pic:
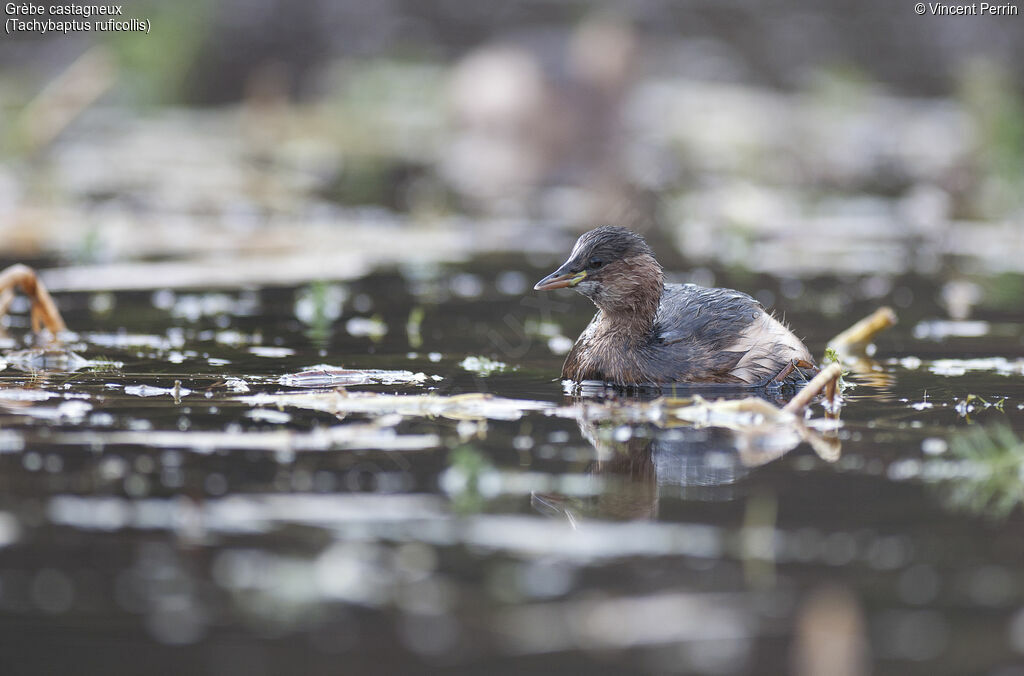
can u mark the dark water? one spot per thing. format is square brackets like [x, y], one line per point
[189, 530]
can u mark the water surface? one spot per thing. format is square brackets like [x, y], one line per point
[157, 515]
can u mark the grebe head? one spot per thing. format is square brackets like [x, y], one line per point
[612, 266]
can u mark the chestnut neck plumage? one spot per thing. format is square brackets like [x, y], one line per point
[628, 299]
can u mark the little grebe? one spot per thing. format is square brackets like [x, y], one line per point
[649, 332]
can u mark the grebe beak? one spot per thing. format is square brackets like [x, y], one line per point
[560, 280]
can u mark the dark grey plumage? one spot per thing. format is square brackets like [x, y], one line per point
[647, 332]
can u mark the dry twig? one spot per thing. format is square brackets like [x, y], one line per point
[44, 310]
[858, 335]
[829, 374]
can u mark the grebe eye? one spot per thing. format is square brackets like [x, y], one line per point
[596, 263]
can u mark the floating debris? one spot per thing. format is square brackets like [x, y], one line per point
[236, 385]
[731, 413]
[47, 359]
[333, 376]
[153, 391]
[974, 402]
[459, 407]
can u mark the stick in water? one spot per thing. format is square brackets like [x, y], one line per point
[827, 375]
[863, 331]
[44, 310]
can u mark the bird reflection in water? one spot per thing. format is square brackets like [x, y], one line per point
[693, 448]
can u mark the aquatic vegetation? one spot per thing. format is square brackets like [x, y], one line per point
[973, 403]
[992, 478]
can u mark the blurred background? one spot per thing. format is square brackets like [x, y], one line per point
[255, 187]
[788, 137]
